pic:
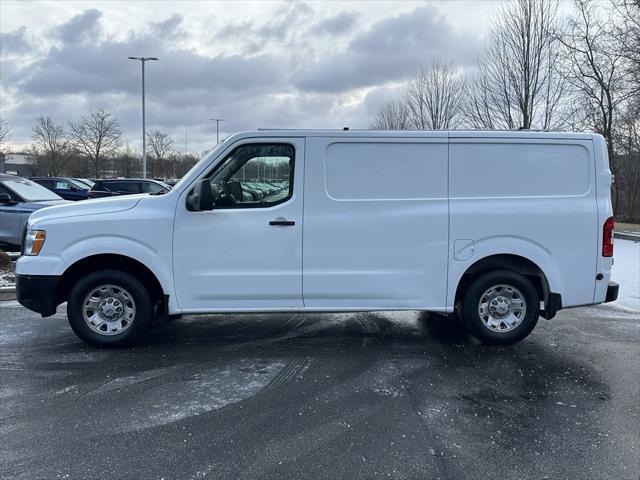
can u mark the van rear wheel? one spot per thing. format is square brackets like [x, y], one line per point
[109, 308]
[500, 307]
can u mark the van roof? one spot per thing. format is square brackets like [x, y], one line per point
[531, 134]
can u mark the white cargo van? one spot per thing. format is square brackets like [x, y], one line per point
[498, 227]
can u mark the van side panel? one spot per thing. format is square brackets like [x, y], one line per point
[375, 223]
[534, 198]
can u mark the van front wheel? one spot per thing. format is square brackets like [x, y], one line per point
[500, 308]
[109, 308]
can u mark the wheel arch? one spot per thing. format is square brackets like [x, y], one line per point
[110, 261]
[516, 263]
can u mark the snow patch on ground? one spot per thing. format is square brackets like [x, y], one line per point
[7, 279]
[9, 304]
[124, 382]
[626, 272]
[8, 338]
[89, 356]
[203, 391]
[409, 317]
[70, 388]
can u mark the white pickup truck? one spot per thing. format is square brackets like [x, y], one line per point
[497, 227]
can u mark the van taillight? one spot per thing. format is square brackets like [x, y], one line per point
[607, 238]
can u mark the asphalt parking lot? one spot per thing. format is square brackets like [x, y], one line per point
[389, 395]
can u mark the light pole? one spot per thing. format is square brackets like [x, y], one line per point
[217, 120]
[144, 132]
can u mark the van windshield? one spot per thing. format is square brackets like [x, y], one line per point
[28, 190]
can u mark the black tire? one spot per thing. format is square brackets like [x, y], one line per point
[477, 327]
[139, 323]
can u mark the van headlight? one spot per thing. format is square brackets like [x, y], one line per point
[34, 241]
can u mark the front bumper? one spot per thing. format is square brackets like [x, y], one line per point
[612, 292]
[38, 293]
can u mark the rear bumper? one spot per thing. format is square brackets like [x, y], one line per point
[38, 293]
[612, 292]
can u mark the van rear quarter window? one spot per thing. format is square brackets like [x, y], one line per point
[519, 170]
[386, 171]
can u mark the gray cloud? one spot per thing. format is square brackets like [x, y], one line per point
[15, 42]
[284, 27]
[389, 50]
[105, 68]
[341, 23]
[89, 66]
[168, 26]
[284, 72]
[183, 88]
[284, 21]
[84, 26]
[379, 96]
[232, 30]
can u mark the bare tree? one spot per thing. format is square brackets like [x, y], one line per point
[433, 99]
[186, 163]
[392, 116]
[595, 68]
[96, 137]
[162, 146]
[629, 29]
[51, 146]
[4, 133]
[627, 137]
[127, 163]
[516, 83]
[434, 96]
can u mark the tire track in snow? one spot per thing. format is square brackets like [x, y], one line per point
[292, 370]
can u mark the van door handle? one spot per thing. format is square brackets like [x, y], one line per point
[281, 222]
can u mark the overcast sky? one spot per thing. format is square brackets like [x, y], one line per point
[255, 64]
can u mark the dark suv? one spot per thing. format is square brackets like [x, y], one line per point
[67, 188]
[125, 186]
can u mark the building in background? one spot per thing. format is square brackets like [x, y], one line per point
[19, 164]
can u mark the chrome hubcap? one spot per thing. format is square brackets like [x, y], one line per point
[108, 309]
[502, 308]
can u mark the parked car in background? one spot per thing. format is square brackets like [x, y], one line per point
[85, 181]
[19, 197]
[67, 188]
[126, 186]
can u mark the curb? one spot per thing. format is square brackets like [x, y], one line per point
[7, 293]
[627, 236]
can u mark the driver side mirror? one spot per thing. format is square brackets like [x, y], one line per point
[201, 197]
[5, 199]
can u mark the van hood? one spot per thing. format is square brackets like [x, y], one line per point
[33, 206]
[86, 207]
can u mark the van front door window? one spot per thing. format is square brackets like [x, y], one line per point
[251, 176]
